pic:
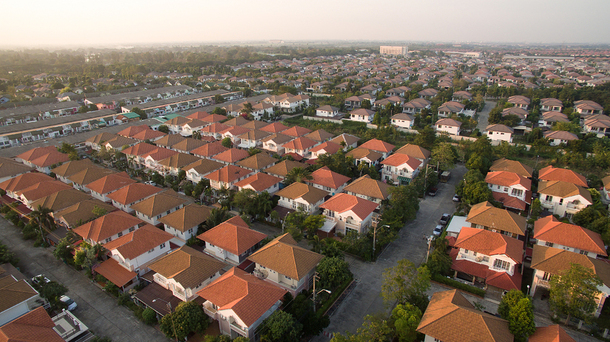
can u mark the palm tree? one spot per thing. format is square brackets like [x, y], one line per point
[264, 204]
[298, 174]
[42, 216]
[217, 216]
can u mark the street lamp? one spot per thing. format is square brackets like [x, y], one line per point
[316, 277]
[429, 241]
[169, 306]
[375, 236]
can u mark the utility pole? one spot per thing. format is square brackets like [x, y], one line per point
[429, 244]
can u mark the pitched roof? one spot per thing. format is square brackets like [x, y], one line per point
[552, 230]
[232, 155]
[245, 294]
[90, 175]
[44, 156]
[361, 153]
[23, 181]
[34, 326]
[237, 121]
[300, 143]
[562, 135]
[258, 161]
[179, 160]
[299, 190]
[485, 214]
[133, 192]
[296, 131]
[490, 243]
[132, 130]
[187, 217]
[278, 138]
[72, 167]
[319, 135]
[42, 189]
[328, 147]
[228, 174]
[13, 292]
[448, 122]
[512, 166]
[256, 126]
[275, 127]
[159, 203]
[188, 145]
[367, 186]
[259, 181]
[254, 134]
[552, 333]
[506, 178]
[10, 168]
[82, 211]
[377, 145]
[401, 159]
[284, 256]
[111, 182]
[556, 261]
[499, 128]
[140, 149]
[187, 266]
[282, 168]
[108, 225]
[198, 115]
[347, 138]
[325, 177]
[563, 190]
[213, 118]
[344, 202]
[451, 317]
[233, 235]
[113, 271]
[138, 242]
[61, 199]
[204, 166]
[551, 173]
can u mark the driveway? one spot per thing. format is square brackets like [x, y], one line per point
[98, 310]
[366, 297]
[484, 115]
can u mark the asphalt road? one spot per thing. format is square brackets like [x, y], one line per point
[484, 115]
[366, 297]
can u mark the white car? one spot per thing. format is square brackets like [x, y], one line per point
[40, 279]
[71, 305]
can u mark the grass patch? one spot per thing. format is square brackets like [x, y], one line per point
[460, 286]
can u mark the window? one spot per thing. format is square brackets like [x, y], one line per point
[517, 193]
[501, 264]
[546, 276]
[162, 245]
[548, 244]
[108, 240]
[560, 201]
[131, 229]
[506, 188]
[120, 234]
[583, 252]
[485, 259]
[151, 250]
[548, 198]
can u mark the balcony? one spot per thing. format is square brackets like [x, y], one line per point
[547, 204]
[209, 309]
[237, 328]
[573, 208]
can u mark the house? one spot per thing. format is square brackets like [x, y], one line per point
[231, 156]
[512, 190]
[274, 143]
[461, 96]
[253, 138]
[63, 171]
[562, 197]
[485, 216]
[81, 179]
[257, 162]
[32, 326]
[362, 115]
[325, 148]
[158, 205]
[551, 173]
[363, 155]
[346, 140]
[137, 249]
[274, 128]
[588, 107]
[449, 108]
[282, 168]
[240, 302]
[108, 227]
[353, 102]
[552, 333]
[488, 257]
[327, 180]
[234, 132]
[21, 182]
[499, 132]
[372, 89]
[369, 189]
[428, 93]
[137, 154]
[10, 168]
[60, 200]
[185, 271]
[172, 165]
[402, 120]
[548, 262]
[327, 111]
[227, 176]
[598, 124]
[400, 168]
[557, 138]
[550, 118]
[202, 167]
[209, 150]
[18, 296]
[415, 151]
[186, 145]
[42, 158]
[98, 140]
[550, 105]
[300, 146]
[513, 166]
[449, 126]
[550, 232]
[232, 241]
[299, 196]
[296, 131]
[349, 213]
[184, 222]
[260, 182]
[319, 135]
[416, 106]
[40, 190]
[451, 317]
[519, 101]
[285, 264]
[517, 111]
[131, 194]
[606, 187]
[80, 212]
[378, 146]
[214, 130]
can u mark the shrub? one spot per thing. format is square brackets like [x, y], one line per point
[149, 316]
[460, 286]
[124, 298]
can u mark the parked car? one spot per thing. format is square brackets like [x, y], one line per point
[438, 230]
[40, 279]
[456, 198]
[433, 191]
[444, 219]
[70, 304]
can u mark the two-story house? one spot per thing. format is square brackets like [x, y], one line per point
[369, 189]
[513, 166]
[519, 101]
[557, 138]
[366, 156]
[299, 196]
[158, 205]
[275, 143]
[131, 194]
[259, 183]
[232, 241]
[416, 106]
[400, 168]
[346, 140]
[325, 148]
[196, 171]
[510, 189]
[402, 120]
[550, 105]
[550, 118]
[550, 232]
[282, 168]
[184, 222]
[349, 213]
[415, 151]
[449, 126]
[563, 198]
[362, 115]
[300, 146]
[327, 111]
[500, 132]
[285, 264]
[327, 180]
[101, 188]
[108, 227]
[486, 216]
[227, 176]
[378, 146]
[449, 108]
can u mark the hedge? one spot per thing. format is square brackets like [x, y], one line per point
[460, 286]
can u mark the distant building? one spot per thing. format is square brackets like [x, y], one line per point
[393, 50]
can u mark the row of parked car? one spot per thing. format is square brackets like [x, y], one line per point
[442, 223]
[40, 280]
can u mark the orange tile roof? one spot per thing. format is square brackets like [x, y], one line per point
[451, 317]
[160, 154]
[506, 178]
[61, 199]
[398, 159]
[319, 135]
[555, 261]
[43, 189]
[512, 202]
[132, 130]
[159, 203]
[204, 166]
[500, 280]
[258, 161]
[82, 212]
[34, 326]
[133, 192]
[110, 183]
[414, 151]
[148, 134]
[209, 150]
[215, 128]
[187, 217]
[346, 138]
[552, 333]
[89, 175]
[296, 131]
[259, 181]
[170, 140]
[228, 174]
[367, 186]
[36, 152]
[284, 256]
[232, 155]
[328, 147]
[235, 131]
[213, 118]
[11, 168]
[256, 126]
[363, 153]
[552, 230]
[300, 143]
[44, 156]
[179, 160]
[233, 235]
[485, 214]
[325, 177]
[187, 266]
[344, 202]
[72, 167]
[139, 149]
[551, 173]
[299, 190]
[275, 127]
[563, 189]
[198, 115]
[113, 271]
[378, 145]
[236, 121]
[106, 226]
[254, 135]
[245, 294]
[490, 243]
[138, 242]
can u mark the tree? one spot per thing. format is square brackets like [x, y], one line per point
[149, 316]
[217, 216]
[510, 299]
[219, 111]
[63, 250]
[188, 317]
[573, 292]
[374, 329]
[140, 112]
[405, 283]
[163, 129]
[312, 223]
[445, 155]
[406, 318]
[219, 98]
[42, 216]
[98, 211]
[477, 192]
[366, 104]
[439, 262]
[298, 175]
[51, 291]
[281, 327]
[521, 319]
[227, 142]
[333, 272]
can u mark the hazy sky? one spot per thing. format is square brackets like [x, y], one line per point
[108, 22]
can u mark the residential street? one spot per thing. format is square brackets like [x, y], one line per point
[366, 297]
[484, 115]
[98, 310]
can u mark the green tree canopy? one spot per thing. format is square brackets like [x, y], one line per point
[227, 142]
[445, 155]
[187, 317]
[333, 272]
[405, 283]
[297, 175]
[573, 292]
[280, 327]
[406, 318]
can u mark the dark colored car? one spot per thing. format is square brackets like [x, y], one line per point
[433, 191]
[444, 219]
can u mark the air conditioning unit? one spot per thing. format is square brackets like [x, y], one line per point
[479, 258]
